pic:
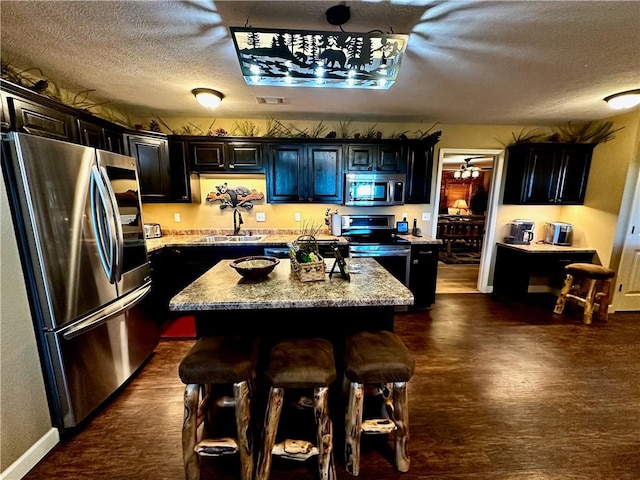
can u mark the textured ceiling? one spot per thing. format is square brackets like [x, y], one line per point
[504, 62]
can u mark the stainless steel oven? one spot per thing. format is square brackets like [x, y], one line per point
[373, 235]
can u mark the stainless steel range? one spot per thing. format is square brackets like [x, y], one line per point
[372, 235]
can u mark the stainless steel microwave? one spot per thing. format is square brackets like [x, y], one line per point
[374, 189]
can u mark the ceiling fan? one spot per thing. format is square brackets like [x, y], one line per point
[466, 170]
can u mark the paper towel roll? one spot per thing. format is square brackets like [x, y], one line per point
[336, 224]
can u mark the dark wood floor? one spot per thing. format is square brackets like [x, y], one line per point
[501, 391]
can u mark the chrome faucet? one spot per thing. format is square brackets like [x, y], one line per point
[237, 221]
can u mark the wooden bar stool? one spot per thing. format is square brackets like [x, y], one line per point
[303, 363]
[589, 286]
[212, 364]
[380, 361]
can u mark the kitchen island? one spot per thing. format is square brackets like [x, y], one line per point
[223, 301]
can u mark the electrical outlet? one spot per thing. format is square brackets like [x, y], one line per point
[176, 217]
[296, 216]
[405, 216]
[260, 217]
[426, 216]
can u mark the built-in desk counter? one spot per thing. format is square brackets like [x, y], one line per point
[517, 264]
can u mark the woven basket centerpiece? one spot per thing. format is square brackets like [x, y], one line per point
[306, 261]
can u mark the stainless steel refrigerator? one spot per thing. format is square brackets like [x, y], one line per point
[78, 220]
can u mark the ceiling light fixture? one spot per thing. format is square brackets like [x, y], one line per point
[207, 97]
[304, 58]
[623, 100]
[466, 170]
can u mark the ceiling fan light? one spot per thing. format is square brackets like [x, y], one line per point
[624, 100]
[456, 174]
[475, 173]
[207, 97]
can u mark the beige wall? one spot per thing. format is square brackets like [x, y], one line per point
[24, 414]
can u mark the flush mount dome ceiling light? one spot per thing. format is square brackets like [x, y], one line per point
[623, 100]
[207, 97]
[303, 58]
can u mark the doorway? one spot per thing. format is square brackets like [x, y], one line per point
[465, 218]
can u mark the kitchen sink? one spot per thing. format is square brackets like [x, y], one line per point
[246, 238]
[230, 238]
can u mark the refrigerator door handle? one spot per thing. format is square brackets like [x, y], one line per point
[102, 316]
[100, 228]
[117, 222]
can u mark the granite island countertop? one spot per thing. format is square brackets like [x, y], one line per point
[222, 288]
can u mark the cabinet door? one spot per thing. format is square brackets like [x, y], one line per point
[325, 182]
[44, 121]
[423, 274]
[574, 172]
[542, 176]
[389, 159]
[152, 155]
[113, 140]
[286, 173]
[90, 134]
[244, 156]
[185, 187]
[361, 158]
[207, 156]
[419, 172]
[5, 121]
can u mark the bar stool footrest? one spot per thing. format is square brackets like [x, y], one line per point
[378, 426]
[299, 450]
[216, 447]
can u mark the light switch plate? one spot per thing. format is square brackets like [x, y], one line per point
[176, 217]
[260, 217]
[426, 216]
[296, 216]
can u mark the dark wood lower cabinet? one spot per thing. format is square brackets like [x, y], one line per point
[174, 268]
[423, 274]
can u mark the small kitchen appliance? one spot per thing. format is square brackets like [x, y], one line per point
[520, 232]
[558, 233]
[152, 230]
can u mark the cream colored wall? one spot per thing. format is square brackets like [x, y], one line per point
[598, 218]
[24, 414]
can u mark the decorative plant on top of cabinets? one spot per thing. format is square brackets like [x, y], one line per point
[593, 132]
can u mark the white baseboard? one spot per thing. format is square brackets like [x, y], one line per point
[31, 457]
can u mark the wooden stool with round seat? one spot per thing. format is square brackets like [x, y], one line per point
[377, 362]
[295, 364]
[212, 365]
[589, 286]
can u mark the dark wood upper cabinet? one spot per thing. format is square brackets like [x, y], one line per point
[547, 173]
[419, 157]
[302, 172]
[30, 117]
[244, 156]
[385, 157]
[207, 154]
[152, 155]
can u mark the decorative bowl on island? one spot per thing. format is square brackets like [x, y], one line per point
[254, 267]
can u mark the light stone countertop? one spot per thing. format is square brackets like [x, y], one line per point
[546, 248]
[269, 240]
[222, 288]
